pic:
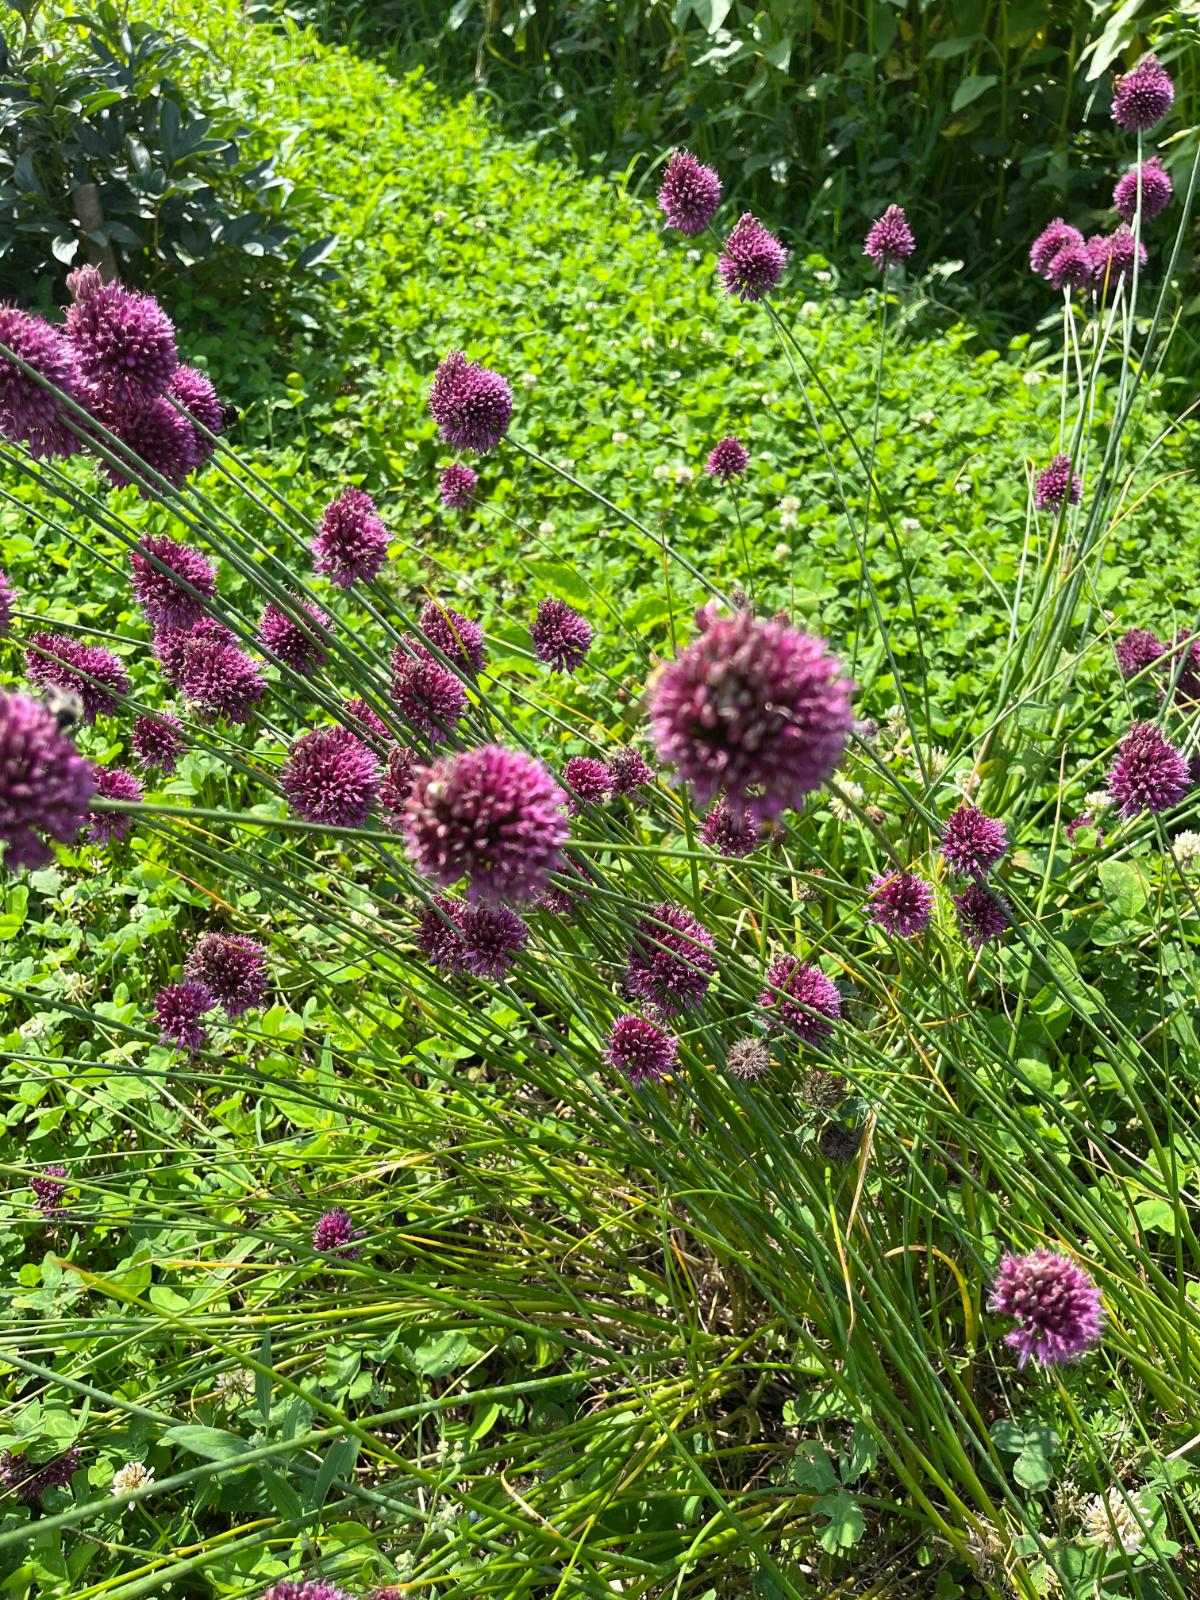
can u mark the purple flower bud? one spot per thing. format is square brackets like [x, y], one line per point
[56, 661]
[232, 968]
[1055, 1303]
[492, 936]
[890, 239]
[901, 903]
[179, 1010]
[752, 261]
[1142, 98]
[1149, 774]
[671, 960]
[561, 637]
[982, 916]
[587, 781]
[972, 843]
[471, 405]
[45, 785]
[690, 194]
[125, 345]
[352, 542]
[112, 783]
[297, 645]
[728, 459]
[1156, 191]
[641, 1051]
[29, 413]
[334, 1235]
[800, 997]
[165, 602]
[1136, 650]
[730, 831]
[459, 486]
[331, 778]
[458, 638]
[1058, 236]
[1056, 484]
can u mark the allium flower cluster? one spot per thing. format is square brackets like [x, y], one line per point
[1056, 484]
[690, 194]
[215, 677]
[179, 1010]
[753, 708]
[459, 638]
[1136, 650]
[431, 699]
[1055, 1303]
[890, 239]
[982, 916]
[30, 414]
[396, 784]
[629, 771]
[309, 1589]
[297, 645]
[1156, 191]
[561, 637]
[56, 661]
[362, 718]
[162, 438]
[728, 459]
[28, 1481]
[492, 816]
[587, 781]
[748, 1059]
[8, 599]
[232, 968]
[352, 542]
[160, 594]
[1183, 665]
[972, 843]
[45, 785]
[1142, 98]
[459, 485]
[729, 830]
[1149, 774]
[901, 903]
[334, 1234]
[471, 405]
[492, 938]
[1112, 256]
[1053, 239]
[671, 960]
[752, 260]
[330, 777]
[158, 742]
[638, 1049]
[48, 1190]
[800, 997]
[112, 783]
[439, 933]
[193, 390]
[125, 346]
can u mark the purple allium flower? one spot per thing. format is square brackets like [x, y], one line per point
[752, 261]
[729, 830]
[179, 1010]
[1057, 483]
[641, 1051]
[1059, 235]
[1149, 774]
[352, 542]
[56, 661]
[561, 637]
[459, 638]
[330, 777]
[753, 707]
[30, 414]
[587, 782]
[471, 406]
[217, 679]
[799, 996]
[459, 486]
[193, 390]
[728, 459]
[1156, 191]
[1077, 824]
[295, 644]
[563, 898]
[334, 1235]
[48, 1190]
[493, 936]
[972, 843]
[125, 345]
[164, 441]
[1136, 650]
[431, 699]
[8, 599]
[27, 1481]
[1055, 1303]
[981, 916]
[690, 194]
[492, 816]
[309, 1589]
[45, 784]
[84, 281]
[361, 718]
[901, 902]
[890, 239]
[112, 783]
[165, 603]
[671, 960]
[1111, 255]
[629, 771]
[170, 644]
[1072, 267]
[439, 933]
[232, 968]
[748, 1059]
[1142, 98]
[396, 784]
[1187, 647]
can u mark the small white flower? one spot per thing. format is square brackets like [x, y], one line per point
[782, 552]
[440, 216]
[638, 416]
[1110, 1521]
[620, 438]
[684, 474]
[674, 375]
[592, 305]
[662, 472]
[770, 398]
[966, 783]
[672, 344]
[707, 336]
[695, 255]
[1187, 848]
[964, 486]
[235, 1385]
[1097, 800]
[809, 310]
[910, 525]
[528, 379]
[787, 520]
[480, 224]
[1031, 379]
[789, 503]
[824, 277]
[895, 721]
[78, 987]
[647, 343]
[566, 464]
[926, 419]
[937, 761]
[838, 802]
[766, 455]
[133, 1475]
[34, 1028]
[545, 529]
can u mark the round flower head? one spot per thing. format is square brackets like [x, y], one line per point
[1072, 267]
[334, 1235]
[164, 442]
[982, 916]
[330, 777]
[28, 1481]
[1186, 677]
[561, 637]
[1112, 255]
[30, 414]
[690, 194]
[439, 934]
[1056, 484]
[972, 843]
[45, 784]
[125, 346]
[1149, 774]
[459, 638]
[431, 699]
[352, 542]
[179, 1010]
[671, 960]
[629, 771]
[232, 968]
[748, 1059]
[752, 261]
[1136, 650]
[1142, 98]
[729, 830]
[170, 644]
[309, 1589]
[396, 784]
[901, 903]
[459, 485]
[890, 239]
[165, 602]
[8, 599]
[1156, 191]
[48, 1191]
[192, 390]
[1059, 235]
[112, 783]
[563, 898]
[641, 1051]
[800, 997]
[755, 708]
[587, 782]
[1055, 1303]
[363, 719]
[728, 459]
[295, 644]
[216, 678]
[471, 406]
[492, 816]
[493, 937]
[56, 661]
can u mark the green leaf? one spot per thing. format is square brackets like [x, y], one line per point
[861, 1454]
[971, 88]
[560, 580]
[846, 1524]
[812, 1468]
[214, 1444]
[1032, 1469]
[338, 1463]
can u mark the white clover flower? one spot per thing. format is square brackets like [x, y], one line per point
[1097, 800]
[133, 1475]
[78, 987]
[566, 464]
[662, 472]
[647, 343]
[766, 455]
[787, 519]
[966, 783]
[672, 343]
[481, 225]
[528, 379]
[638, 416]
[707, 336]
[1031, 379]
[937, 760]
[235, 1385]
[823, 276]
[1110, 1521]
[1187, 848]
[674, 375]
[440, 216]
[964, 486]
[895, 721]
[926, 419]
[789, 503]
[838, 803]
[620, 438]
[782, 552]
[695, 255]
[809, 310]
[34, 1028]
[770, 398]
[592, 305]
[545, 529]
[910, 524]
[684, 474]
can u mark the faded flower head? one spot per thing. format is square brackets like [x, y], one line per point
[690, 194]
[728, 459]
[459, 638]
[890, 239]
[430, 697]
[459, 485]
[729, 830]
[561, 637]
[492, 938]
[752, 260]
[297, 645]
[30, 414]
[1117, 1521]
[232, 968]
[179, 1010]
[160, 593]
[471, 405]
[112, 783]
[352, 542]
[671, 960]
[1136, 650]
[158, 742]
[1156, 191]
[982, 916]
[1055, 1303]
[1056, 484]
[132, 1476]
[799, 996]
[330, 777]
[125, 345]
[972, 843]
[1142, 98]
[45, 785]
[1149, 774]
[901, 903]
[335, 1233]
[641, 1051]
[748, 1059]
[57, 661]
[587, 781]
